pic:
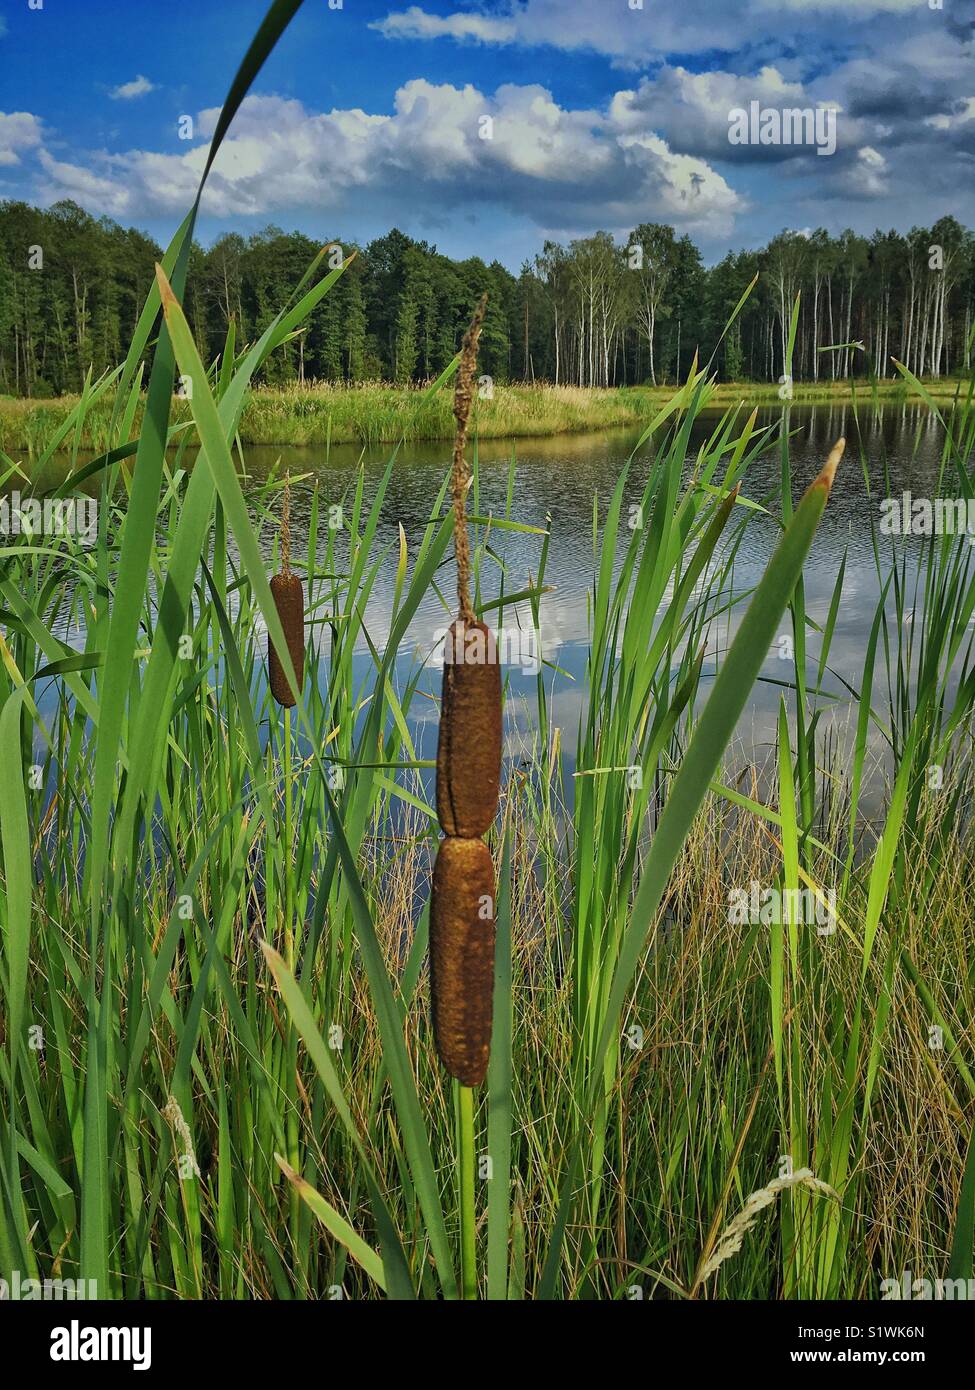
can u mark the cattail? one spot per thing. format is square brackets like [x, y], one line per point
[468, 778]
[289, 600]
[469, 749]
[462, 956]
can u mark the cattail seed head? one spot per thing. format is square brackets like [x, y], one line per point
[469, 748]
[462, 957]
[468, 781]
[289, 600]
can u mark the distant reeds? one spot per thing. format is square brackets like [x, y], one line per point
[373, 413]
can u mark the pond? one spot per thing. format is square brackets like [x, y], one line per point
[556, 482]
[557, 479]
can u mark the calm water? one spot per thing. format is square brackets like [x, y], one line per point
[559, 478]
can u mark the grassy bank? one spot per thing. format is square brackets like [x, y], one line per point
[375, 414]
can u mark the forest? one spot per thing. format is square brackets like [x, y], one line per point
[597, 311]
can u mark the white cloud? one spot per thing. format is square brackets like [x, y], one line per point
[865, 176]
[138, 87]
[415, 23]
[19, 131]
[631, 35]
[854, 8]
[688, 191]
[964, 114]
[571, 25]
[85, 187]
[693, 110]
[549, 163]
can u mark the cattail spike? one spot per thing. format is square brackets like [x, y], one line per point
[462, 957]
[289, 600]
[468, 777]
[469, 747]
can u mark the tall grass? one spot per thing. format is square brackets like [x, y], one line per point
[218, 1076]
[319, 415]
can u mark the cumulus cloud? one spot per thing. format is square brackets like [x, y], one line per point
[865, 176]
[415, 23]
[693, 109]
[19, 131]
[630, 34]
[138, 87]
[84, 186]
[918, 115]
[905, 130]
[960, 20]
[616, 30]
[857, 8]
[516, 149]
[959, 139]
[517, 156]
[964, 112]
[898, 94]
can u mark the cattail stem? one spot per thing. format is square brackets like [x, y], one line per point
[286, 772]
[291, 1051]
[463, 398]
[465, 1148]
[286, 526]
[463, 889]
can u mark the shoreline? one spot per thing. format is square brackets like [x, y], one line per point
[295, 417]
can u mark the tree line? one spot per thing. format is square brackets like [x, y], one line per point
[597, 311]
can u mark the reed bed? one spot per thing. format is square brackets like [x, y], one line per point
[218, 1075]
[243, 837]
[318, 415]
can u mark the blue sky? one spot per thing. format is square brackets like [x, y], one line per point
[602, 114]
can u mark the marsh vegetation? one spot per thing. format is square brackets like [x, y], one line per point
[218, 1074]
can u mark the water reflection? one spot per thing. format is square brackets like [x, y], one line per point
[555, 483]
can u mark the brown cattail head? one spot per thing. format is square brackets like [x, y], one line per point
[468, 779]
[289, 600]
[469, 749]
[462, 957]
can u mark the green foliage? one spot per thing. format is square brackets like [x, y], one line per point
[585, 314]
[216, 1072]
